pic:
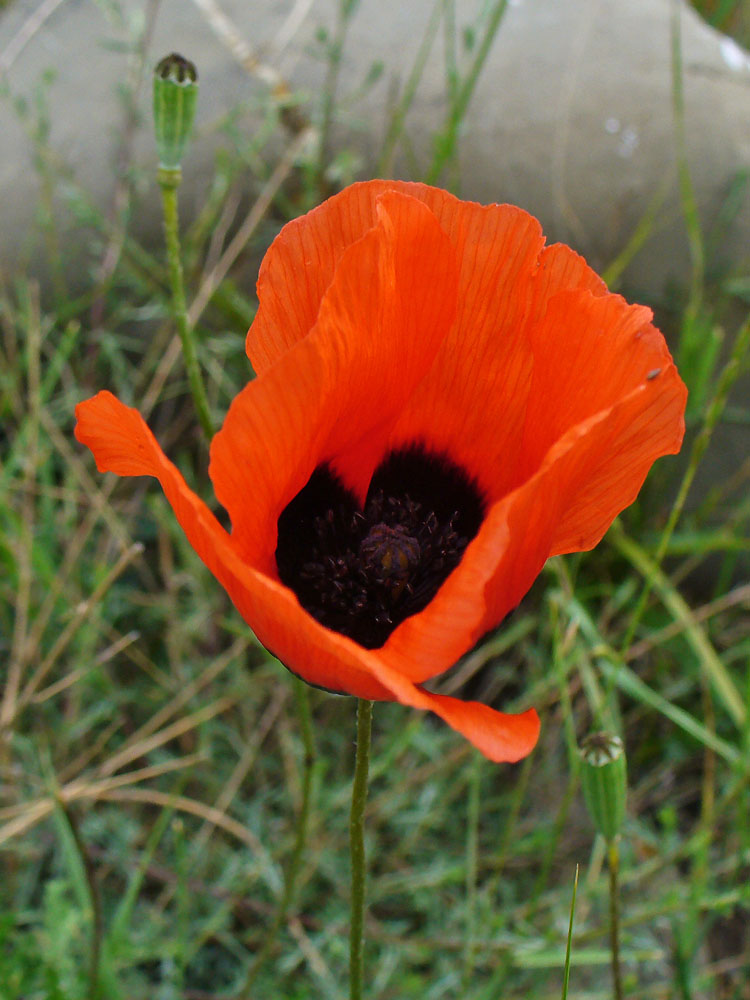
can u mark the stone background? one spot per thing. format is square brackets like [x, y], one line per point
[572, 116]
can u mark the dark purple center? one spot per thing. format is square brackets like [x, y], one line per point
[362, 571]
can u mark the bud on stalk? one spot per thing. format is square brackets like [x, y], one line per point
[604, 779]
[175, 95]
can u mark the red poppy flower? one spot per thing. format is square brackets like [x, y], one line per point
[441, 404]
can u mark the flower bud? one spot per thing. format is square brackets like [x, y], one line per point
[604, 779]
[175, 94]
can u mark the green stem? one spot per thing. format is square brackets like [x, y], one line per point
[449, 137]
[614, 916]
[169, 181]
[566, 970]
[97, 919]
[302, 697]
[335, 52]
[357, 848]
[472, 839]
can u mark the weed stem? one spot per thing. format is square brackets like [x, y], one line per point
[472, 844]
[357, 848]
[97, 919]
[613, 857]
[169, 181]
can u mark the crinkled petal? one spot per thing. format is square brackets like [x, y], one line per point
[300, 263]
[335, 394]
[122, 443]
[591, 474]
[472, 404]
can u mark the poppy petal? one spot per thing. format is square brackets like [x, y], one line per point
[598, 416]
[472, 405]
[646, 425]
[299, 266]
[335, 394]
[586, 479]
[593, 354]
[122, 443]
[561, 268]
[500, 737]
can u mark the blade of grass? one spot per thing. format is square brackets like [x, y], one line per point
[614, 669]
[24, 547]
[729, 375]
[448, 139]
[384, 165]
[566, 970]
[696, 636]
[472, 838]
[83, 877]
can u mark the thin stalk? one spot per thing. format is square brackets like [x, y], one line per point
[169, 181]
[335, 52]
[302, 697]
[357, 848]
[449, 138]
[396, 126]
[472, 837]
[97, 919]
[566, 971]
[613, 857]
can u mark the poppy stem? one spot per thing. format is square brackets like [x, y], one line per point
[169, 181]
[357, 848]
[472, 838]
[613, 858]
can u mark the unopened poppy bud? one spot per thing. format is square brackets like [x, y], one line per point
[604, 778]
[175, 94]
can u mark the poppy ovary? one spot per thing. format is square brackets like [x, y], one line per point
[389, 556]
[175, 93]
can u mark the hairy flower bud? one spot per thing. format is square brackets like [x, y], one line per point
[604, 779]
[175, 94]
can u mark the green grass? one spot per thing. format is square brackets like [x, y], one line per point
[152, 762]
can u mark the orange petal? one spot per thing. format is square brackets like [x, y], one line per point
[335, 394]
[560, 269]
[597, 418]
[591, 474]
[122, 443]
[614, 457]
[472, 405]
[590, 353]
[499, 736]
[299, 266]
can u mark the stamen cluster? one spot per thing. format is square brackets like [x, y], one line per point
[361, 572]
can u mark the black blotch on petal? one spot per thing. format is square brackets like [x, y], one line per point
[361, 572]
